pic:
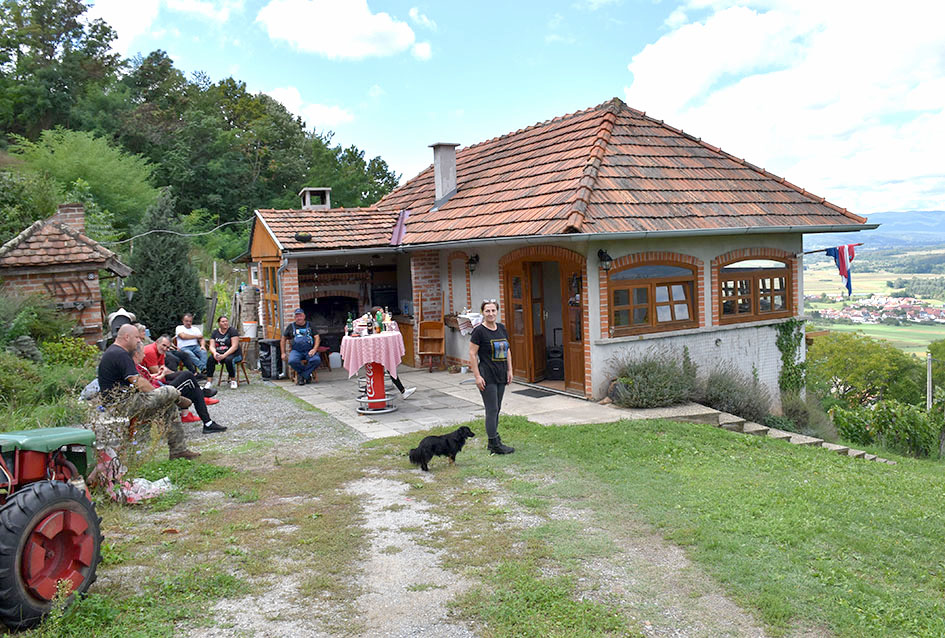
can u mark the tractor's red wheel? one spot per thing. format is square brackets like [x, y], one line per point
[49, 532]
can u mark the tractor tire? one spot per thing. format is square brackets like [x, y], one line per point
[49, 531]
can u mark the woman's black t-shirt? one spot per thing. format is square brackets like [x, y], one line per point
[493, 352]
[224, 340]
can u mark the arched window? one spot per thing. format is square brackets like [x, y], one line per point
[652, 297]
[754, 289]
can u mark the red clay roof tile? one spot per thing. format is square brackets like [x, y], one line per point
[605, 169]
[49, 243]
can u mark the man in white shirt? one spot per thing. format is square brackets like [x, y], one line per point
[190, 342]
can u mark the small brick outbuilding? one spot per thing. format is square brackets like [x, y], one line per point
[54, 257]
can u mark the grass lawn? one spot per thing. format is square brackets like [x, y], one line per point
[911, 338]
[802, 538]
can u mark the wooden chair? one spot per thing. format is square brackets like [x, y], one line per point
[430, 335]
[239, 365]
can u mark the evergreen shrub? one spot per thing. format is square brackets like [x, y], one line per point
[655, 380]
[898, 426]
[730, 391]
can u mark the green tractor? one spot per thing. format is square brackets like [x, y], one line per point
[49, 531]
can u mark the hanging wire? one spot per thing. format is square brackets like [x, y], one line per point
[174, 232]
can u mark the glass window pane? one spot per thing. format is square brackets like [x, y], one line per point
[621, 317]
[640, 316]
[650, 272]
[516, 287]
[764, 304]
[728, 307]
[538, 324]
[622, 297]
[663, 313]
[754, 264]
[640, 296]
[678, 293]
[744, 286]
[779, 303]
[661, 293]
[779, 284]
[518, 319]
[764, 284]
[575, 325]
[681, 311]
[728, 288]
[744, 305]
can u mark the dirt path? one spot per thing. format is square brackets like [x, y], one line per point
[400, 587]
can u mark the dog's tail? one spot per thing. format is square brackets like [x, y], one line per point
[415, 457]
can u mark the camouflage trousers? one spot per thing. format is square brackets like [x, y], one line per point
[160, 406]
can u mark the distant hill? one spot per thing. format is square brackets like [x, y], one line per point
[898, 229]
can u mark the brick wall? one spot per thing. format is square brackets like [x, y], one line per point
[71, 215]
[425, 280]
[66, 288]
[290, 291]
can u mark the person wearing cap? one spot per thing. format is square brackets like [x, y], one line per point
[300, 347]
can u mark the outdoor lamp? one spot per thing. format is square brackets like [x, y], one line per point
[473, 263]
[606, 261]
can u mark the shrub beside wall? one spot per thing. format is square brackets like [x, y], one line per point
[898, 426]
[728, 390]
[655, 380]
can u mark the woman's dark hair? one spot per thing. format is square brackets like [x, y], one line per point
[486, 302]
[222, 317]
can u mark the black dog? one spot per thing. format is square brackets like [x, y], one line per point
[447, 445]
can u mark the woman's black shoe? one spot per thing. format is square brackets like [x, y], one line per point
[497, 447]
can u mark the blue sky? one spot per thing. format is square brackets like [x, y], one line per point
[844, 98]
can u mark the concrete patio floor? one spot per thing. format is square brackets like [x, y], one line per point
[442, 399]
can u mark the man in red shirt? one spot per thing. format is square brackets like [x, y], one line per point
[183, 381]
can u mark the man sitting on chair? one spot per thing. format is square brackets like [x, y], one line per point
[190, 343]
[303, 357]
[225, 349]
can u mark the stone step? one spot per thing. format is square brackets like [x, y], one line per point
[882, 460]
[800, 439]
[857, 454]
[870, 457]
[730, 422]
[780, 435]
[833, 447]
[755, 428]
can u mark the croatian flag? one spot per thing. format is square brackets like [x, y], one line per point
[842, 256]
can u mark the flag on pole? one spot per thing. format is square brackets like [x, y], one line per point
[842, 256]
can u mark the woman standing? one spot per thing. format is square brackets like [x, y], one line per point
[490, 344]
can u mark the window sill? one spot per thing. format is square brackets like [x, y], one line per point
[691, 331]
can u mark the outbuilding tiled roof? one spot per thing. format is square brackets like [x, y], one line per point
[607, 169]
[334, 228]
[49, 243]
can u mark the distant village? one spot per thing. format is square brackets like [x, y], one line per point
[878, 309]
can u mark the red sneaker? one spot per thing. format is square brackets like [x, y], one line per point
[211, 401]
[190, 417]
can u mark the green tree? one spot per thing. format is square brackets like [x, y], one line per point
[861, 370]
[119, 182]
[49, 55]
[937, 350]
[25, 197]
[165, 279]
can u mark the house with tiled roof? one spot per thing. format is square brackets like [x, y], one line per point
[55, 257]
[602, 233]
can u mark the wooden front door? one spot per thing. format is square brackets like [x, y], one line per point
[537, 313]
[270, 299]
[517, 324]
[572, 308]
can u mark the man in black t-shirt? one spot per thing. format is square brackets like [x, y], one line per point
[125, 392]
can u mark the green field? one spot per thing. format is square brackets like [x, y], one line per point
[823, 278]
[913, 339]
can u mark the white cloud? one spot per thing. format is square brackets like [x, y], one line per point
[214, 10]
[845, 100]
[594, 5]
[315, 115]
[345, 30]
[129, 19]
[421, 19]
[557, 38]
[376, 91]
[422, 51]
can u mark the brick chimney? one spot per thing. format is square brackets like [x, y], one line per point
[71, 215]
[444, 170]
[315, 198]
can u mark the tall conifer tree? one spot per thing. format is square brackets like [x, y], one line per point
[166, 280]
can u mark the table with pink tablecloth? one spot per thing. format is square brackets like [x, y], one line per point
[385, 348]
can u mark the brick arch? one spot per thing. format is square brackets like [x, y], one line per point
[542, 253]
[756, 252]
[458, 254]
[636, 259]
[558, 254]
